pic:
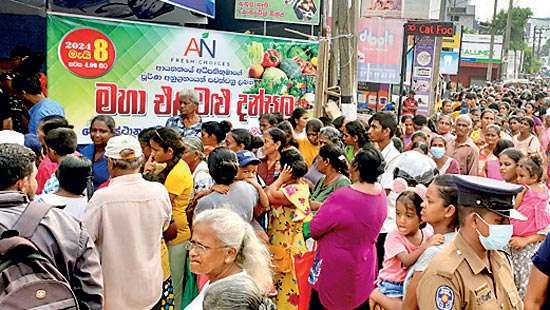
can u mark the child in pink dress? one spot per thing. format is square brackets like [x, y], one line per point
[528, 235]
[403, 247]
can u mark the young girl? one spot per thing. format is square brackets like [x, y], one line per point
[403, 246]
[528, 234]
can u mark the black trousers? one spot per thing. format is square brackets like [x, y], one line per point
[380, 249]
[315, 303]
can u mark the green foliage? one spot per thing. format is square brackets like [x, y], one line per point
[519, 20]
[531, 65]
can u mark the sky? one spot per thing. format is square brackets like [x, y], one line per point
[484, 8]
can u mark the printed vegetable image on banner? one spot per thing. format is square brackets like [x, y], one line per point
[134, 71]
[281, 11]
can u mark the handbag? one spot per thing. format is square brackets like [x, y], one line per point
[281, 259]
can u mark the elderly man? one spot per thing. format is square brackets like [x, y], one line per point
[463, 148]
[126, 220]
[188, 123]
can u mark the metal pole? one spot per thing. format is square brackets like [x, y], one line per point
[507, 39]
[492, 44]
[403, 72]
[459, 53]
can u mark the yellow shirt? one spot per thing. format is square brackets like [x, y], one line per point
[180, 183]
[308, 150]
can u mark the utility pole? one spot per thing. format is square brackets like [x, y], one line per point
[348, 56]
[507, 39]
[492, 44]
[437, 56]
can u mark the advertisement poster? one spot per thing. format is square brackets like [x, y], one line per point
[143, 10]
[280, 11]
[424, 52]
[133, 72]
[385, 8]
[476, 48]
[379, 50]
[448, 63]
[205, 7]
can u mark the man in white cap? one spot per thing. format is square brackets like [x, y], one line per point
[126, 220]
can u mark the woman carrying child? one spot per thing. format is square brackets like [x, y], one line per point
[528, 234]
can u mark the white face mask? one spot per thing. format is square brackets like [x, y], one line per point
[499, 236]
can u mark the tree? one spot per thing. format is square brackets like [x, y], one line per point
[519, 21]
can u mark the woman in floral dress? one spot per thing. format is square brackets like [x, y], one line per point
[289, 200]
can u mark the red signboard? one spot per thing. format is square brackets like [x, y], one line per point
[433, 29]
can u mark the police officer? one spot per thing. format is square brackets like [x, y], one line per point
[470, 272]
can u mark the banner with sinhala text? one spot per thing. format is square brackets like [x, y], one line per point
[133, 72]
[281, 11]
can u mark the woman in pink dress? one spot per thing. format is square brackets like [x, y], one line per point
[346, 228]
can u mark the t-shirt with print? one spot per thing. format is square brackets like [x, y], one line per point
[180, 183]
[392, 268]
[241, 198]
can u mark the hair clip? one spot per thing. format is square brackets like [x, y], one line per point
[342, 157]
[399, 185]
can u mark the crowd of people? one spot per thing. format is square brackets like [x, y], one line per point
[411, 213]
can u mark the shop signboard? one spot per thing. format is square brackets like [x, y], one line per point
[204, 7]
[280, 11]
[424, 53]
[133, 72]
[476, 48]
[387, 8]
[379, 50]
[448, 63]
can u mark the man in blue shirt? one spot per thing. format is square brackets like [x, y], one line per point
[537, 296]
[28, 88]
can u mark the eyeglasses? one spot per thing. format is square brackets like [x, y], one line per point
[200, 248]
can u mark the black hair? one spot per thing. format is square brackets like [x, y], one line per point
[51, 122]
[370, 164]
[223, 165]
[296, 115]
[420, 120]
[74, 174]
[398, 143]
[539, 96]
[20, 51]
[169, 138]
[488, 111]
[146, 134]
[286, 128]
[256, 142]
[28, 83]
[108, 120]
[513, 154]
[448, 192]
[16, 162]
[335, 155]
[357, 129]
[314, 124]
[412, 200]
[62, 141]
[501, 145]
[421, 146]
[278, 116]
[339, 121]
[326, 121]
[534, 165]
[386, 120]
[529, 120]
[292, 158]
[406, 117]
[270, 118]
[242, 136]
[219, 130]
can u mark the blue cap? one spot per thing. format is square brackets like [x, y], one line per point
[247, 158]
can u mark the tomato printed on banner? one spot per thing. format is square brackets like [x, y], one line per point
[87, 53]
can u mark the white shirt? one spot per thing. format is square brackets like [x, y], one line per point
[75, 206]
[390, 154]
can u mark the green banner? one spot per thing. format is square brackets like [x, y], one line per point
[134, 71]
[281, 11]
